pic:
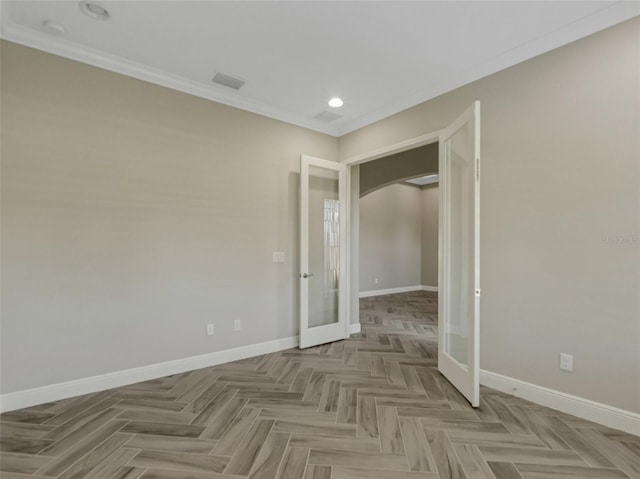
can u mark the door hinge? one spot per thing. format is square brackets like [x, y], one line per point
[477, 169]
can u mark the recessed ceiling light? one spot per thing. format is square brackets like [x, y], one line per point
[53, 28]
[336, 102]
[94, 10]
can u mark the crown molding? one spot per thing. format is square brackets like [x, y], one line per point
[593, 23]
[597, 21]
[57, 46]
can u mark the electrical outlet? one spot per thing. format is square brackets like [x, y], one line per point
[237, 325]
[210, 330]
[375, 281]
[277, 257]
[566, 362]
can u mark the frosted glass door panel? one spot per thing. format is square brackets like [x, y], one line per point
[323, 199]
[324, 246]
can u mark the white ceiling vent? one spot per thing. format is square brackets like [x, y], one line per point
[327, 116]
[228, 81]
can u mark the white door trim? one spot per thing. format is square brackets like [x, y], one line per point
[340, 330]
[412, 143]
[406, 145]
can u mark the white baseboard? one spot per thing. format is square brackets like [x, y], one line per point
[380, 292]
[77, 387]
[584, 408]
[610, 416]
[429, 288]
[404, 289]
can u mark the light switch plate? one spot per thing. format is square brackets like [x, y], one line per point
[278, 257]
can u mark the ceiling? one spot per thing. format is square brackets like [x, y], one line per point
[379, 57]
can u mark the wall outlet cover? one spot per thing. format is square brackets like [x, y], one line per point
[237, 325]
[210, 330]
[566, 362]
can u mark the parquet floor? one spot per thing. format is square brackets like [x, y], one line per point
[373, 406]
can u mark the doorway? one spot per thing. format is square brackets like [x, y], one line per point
[398, 209]
[418, 157]
[458, 249]
[459, 245]
[398, 255]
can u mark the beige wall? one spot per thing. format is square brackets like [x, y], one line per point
[398, 243]
[132, 216]
[429, 236]
[390, 238]
[560, 177]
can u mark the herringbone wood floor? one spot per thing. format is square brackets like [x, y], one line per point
[373, 406]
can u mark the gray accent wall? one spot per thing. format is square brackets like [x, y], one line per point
[400, 166]
[560, 212]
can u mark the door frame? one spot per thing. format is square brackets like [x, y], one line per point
[343, 283]
[353, 275]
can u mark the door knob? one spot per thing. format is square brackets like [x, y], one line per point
[305, 275]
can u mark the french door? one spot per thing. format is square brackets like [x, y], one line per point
[323, 209]
[459, 269]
